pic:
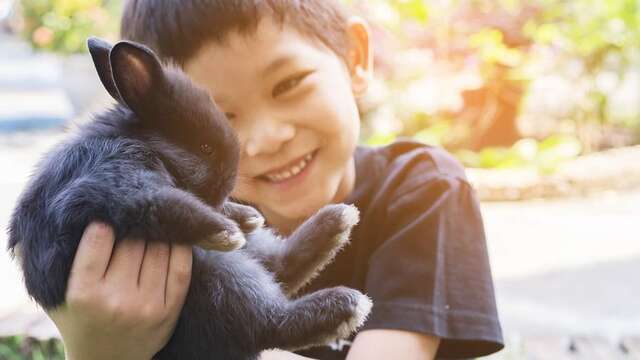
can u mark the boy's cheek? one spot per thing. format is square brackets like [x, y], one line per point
[248, 191]
[240, 191]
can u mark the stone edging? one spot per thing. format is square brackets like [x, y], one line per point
[615, 169]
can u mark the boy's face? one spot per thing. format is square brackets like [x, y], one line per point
[292, 104]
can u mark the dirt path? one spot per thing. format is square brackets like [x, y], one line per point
[567, 266]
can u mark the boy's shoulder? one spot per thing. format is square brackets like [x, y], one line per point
[408, 153]
[406, 164]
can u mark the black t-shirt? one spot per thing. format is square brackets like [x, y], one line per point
[419, 252]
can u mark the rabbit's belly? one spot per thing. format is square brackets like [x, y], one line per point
[238, 283]
[232, 302]
[240, 273]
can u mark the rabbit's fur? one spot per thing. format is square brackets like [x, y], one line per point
[159, 165]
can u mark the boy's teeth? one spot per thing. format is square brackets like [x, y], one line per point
[294, 170]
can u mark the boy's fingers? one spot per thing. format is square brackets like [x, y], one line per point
[178, 277]
[126, 259]
[93, 254]
[153, 273]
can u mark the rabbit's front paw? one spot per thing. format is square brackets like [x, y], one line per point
[253, 223]
[247, 217]
[226, 240]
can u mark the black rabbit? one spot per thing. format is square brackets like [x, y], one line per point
[160, 165]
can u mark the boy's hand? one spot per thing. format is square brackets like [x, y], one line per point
[122, 301]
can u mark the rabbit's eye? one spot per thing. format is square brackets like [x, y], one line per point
[206, 149]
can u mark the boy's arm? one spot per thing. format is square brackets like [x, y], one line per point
[280, 355]
[393, 344]
[378, 344]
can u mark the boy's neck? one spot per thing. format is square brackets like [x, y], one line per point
[286, 226]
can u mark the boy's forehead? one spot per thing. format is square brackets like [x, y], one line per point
[256, 55]
[261, 52]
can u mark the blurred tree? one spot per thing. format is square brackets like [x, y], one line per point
[64, 25]
[493, 33]
[456, 37]
[603, 39]
[456, 73]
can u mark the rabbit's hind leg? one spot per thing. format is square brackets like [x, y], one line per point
[298, 259]
[314, 245]
[320, 317]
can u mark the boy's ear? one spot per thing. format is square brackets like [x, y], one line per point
[360, 55]
[99, 50]
[137, 74]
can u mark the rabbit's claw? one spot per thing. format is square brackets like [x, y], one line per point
[224, 241]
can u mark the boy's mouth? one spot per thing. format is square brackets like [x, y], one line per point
[290, 170]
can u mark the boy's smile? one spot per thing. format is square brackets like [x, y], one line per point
[292, 102]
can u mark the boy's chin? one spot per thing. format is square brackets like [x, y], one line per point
[299, 212]
[302, 210]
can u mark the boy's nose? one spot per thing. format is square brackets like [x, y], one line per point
[268, 136]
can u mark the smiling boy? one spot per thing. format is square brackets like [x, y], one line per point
[291, 103]
[287, 74]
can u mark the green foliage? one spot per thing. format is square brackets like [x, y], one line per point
[436, 134]
[544, 155]
[490, 46]
[24, 348]
[604, 38]
[393, 13]
[586, 28]
[433, 57]
[381, 139]
[412, 9]
[64, 25]
[590, 43]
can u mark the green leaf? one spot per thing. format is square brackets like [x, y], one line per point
[413, 9]
[381, 139]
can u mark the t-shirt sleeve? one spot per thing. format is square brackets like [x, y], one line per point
[431, 274]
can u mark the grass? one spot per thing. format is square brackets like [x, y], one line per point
[26, 348]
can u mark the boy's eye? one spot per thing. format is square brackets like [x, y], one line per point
[289, 84]
[230, 116]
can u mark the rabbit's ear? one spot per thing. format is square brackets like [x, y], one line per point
[137, 74]
[99, 50]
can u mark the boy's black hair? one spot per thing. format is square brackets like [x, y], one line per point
[177, 29]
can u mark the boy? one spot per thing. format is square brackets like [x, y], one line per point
[287, 74]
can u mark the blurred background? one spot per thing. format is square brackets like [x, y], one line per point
[539, 99]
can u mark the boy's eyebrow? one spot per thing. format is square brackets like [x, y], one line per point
[279, 62]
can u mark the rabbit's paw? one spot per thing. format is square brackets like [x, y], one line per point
[252, 223]
[349, 217]
[224, 241]
[247, 217]
[360, 312]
